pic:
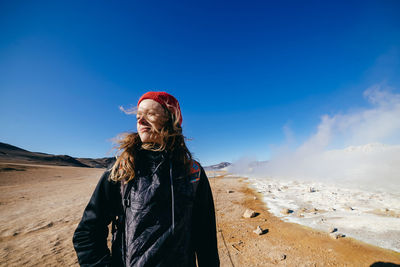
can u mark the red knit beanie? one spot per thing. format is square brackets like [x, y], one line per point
[166, 100]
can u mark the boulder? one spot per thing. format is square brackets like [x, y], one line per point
[249, 213]
[260, 231]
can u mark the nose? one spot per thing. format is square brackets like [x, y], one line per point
[142, 120]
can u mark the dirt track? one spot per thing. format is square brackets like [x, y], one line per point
[40, 207]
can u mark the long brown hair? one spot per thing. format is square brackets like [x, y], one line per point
[128, 145]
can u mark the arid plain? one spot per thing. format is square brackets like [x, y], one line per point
[41, 205]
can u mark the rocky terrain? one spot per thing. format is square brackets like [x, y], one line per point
[41, 205]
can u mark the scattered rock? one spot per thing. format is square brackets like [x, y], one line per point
[332, 230]
[249, 213]
[336, 235]
[260, 231]
[286, 211]
[229, 191]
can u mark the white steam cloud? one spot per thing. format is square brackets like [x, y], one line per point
[365, 156]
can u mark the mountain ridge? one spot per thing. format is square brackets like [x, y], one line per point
[16, 154]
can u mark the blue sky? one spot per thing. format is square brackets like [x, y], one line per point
[241, 70]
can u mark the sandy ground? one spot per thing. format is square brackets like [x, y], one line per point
[40, 207]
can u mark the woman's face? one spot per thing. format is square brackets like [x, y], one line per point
[150, 116]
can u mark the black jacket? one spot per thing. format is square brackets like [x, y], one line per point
[169, 221]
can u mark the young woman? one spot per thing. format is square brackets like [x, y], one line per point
[156, 196]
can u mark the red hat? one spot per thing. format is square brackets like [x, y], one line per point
[166, 100]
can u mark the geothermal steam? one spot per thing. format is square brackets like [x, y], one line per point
[367, 142]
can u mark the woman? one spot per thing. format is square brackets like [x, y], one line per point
[157, 197]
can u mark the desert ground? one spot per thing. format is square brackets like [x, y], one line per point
[40, 207]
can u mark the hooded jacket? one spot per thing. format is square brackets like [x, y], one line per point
[167, 221]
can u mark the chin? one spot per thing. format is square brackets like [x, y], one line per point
[146, 138]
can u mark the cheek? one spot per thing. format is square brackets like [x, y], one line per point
[159, 125]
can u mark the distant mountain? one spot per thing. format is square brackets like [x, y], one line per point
[11, 153]
[218, 166]
[97, 163]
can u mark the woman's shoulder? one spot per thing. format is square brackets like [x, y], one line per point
[196, 171]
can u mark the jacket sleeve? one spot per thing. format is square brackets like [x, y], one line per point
[90, 237]
[204, 226]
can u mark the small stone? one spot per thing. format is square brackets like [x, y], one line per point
[311, 190]
[282, 257]
[336, 235]
[229, 191]
[255, 198]
[286, 211]
[249, 213]
[259, 230]
[314, 210]
[332, 230]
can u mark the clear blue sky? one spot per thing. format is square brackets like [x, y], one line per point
[241, 70]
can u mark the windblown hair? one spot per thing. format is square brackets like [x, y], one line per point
[128, 145]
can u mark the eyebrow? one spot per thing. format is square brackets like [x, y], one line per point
[151, 109]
